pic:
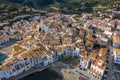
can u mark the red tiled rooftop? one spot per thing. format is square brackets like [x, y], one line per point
[96, 63]
[81, 78]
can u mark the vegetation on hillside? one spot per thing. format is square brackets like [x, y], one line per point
[69, 3]
[73, 61]
[9, 11]
[71, 6]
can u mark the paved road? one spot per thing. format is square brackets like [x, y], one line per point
[111, 68]
[110, 60]
[73, 18]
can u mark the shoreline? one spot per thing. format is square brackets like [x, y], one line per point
[57, 72]
[3, 57]
[54, 69]
[68, 72]
[64, 70]
[39, 75]
[60, 69]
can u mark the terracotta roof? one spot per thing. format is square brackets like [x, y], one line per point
[101, 57]
[88, 42]
[93, 55]
[17, 50]
[81, 78]
[26, 55]
[99, 63]
[86, 58]
[59, 49]
[116, 39]
[117, 51]
[49, 54]
[71, 47]
[79, 44]
[6, 64]
[102, 52]
[5, 67]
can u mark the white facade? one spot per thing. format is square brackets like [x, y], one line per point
[116, 45]
[109, 33]
[70, 52]
[116, 58]
[84, 64]
[97, 69]
[104, 39]
[23, 65]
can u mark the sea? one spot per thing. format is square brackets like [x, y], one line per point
[2, 57]
[44, 75]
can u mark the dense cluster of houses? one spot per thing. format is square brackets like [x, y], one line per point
[116, 45]
[44, 40]
[43, 43]
[98, 34]
[17, 31]
[94, 62]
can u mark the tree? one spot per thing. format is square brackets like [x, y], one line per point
[69, 25]
[71, 60]
[13, 7]
[60, 79]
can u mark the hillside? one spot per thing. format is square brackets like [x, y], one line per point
[44, 3]
[77, 5]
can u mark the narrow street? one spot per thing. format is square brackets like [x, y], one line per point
[110, 59]
[110, 65]
[84, 39]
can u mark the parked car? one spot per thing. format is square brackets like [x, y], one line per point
[105, 75]
[107, 67]
[113, 79]
[103, 79]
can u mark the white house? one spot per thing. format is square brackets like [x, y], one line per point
[97, 69]
[116, 40]
[116, 52]
[84, 62]
[109, 33]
